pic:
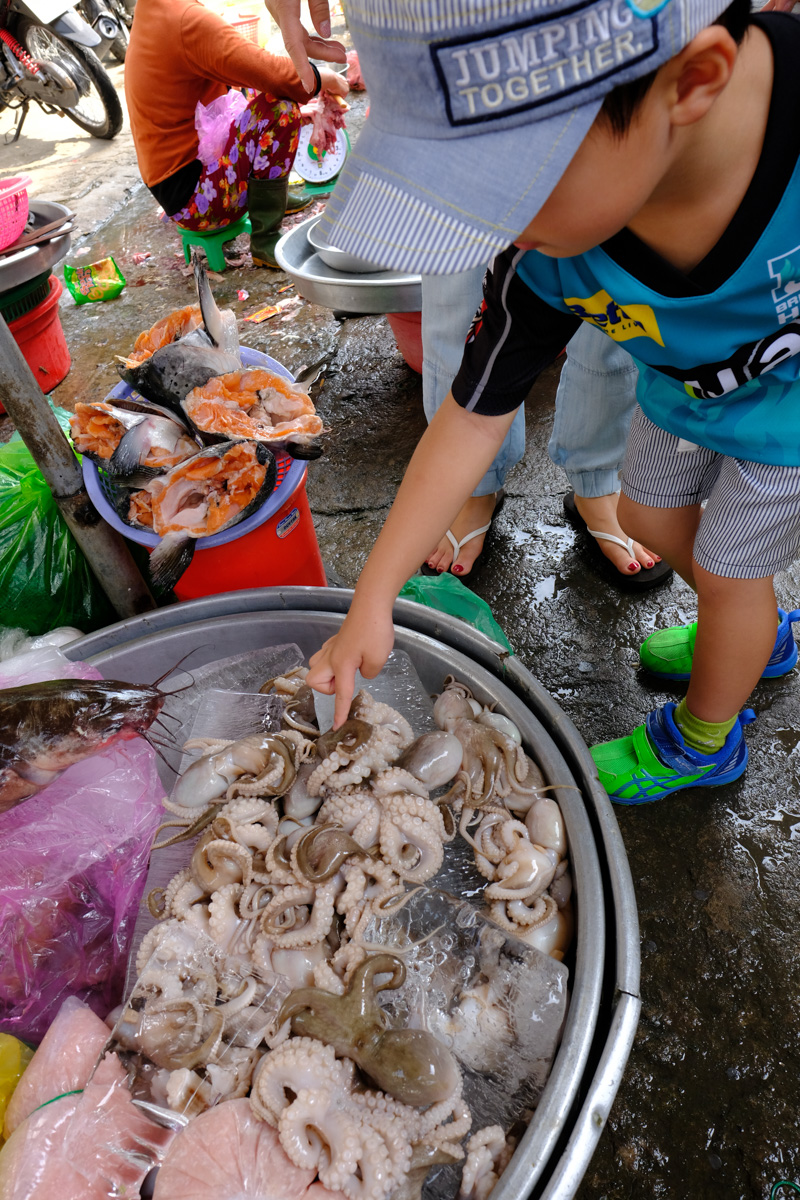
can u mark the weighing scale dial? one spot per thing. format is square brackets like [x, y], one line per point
[317, 166]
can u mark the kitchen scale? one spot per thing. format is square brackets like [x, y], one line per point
[318, 170]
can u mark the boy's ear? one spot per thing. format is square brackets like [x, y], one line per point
[696, 76]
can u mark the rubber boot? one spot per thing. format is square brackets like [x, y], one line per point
[266, 207]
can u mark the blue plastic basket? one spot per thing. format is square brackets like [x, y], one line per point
[104, 492]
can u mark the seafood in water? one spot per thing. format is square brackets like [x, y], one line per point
[257, 404]
[409, 1064]
[127, 437]
[46, 727]
[205, 494]
[169, 329]
[171, 372]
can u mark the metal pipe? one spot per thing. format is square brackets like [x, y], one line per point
[105, 551]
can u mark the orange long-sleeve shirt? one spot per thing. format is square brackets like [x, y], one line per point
[181, 52]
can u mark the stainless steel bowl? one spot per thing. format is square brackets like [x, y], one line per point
[344, 291]
[555, 1150]
[340, 260]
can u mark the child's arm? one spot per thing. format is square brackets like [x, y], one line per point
[452, 456]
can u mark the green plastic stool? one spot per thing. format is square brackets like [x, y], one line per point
[212, 241]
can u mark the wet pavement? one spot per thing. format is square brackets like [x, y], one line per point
[708, 1104]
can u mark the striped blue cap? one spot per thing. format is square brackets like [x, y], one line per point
[476, 108]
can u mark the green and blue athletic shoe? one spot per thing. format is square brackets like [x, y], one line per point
[655, 761]
[668, 652]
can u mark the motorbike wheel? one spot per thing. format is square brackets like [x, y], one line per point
[98, 109]
[119, 47]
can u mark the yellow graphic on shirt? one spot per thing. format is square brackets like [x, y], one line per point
[634, 320]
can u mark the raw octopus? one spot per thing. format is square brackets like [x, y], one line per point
[203, 495]
[126, 436]
[256, 404]
[169, 329]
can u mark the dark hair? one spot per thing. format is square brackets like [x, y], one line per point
[620, 105]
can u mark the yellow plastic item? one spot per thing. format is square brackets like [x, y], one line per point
[14, 1058]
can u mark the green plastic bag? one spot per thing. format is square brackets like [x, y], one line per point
[447, 594]
[45, 581]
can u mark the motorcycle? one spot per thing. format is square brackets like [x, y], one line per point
[46, 56]
[111, 20]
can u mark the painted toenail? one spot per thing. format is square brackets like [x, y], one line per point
[649, 562]
[633, 566]
[457, 570]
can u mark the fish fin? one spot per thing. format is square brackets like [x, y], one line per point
[212, 317]
[132, 449]
[304, 447]
[169, 560]
[220, 327]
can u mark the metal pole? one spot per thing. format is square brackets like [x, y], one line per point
[105, 551]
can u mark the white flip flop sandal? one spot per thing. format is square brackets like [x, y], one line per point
[457, 546]
[612, 537]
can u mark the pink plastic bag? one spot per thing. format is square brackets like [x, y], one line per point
[74, 868]
[213, 122]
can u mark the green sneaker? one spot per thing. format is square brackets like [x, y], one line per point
[654, 761]
[668, 653]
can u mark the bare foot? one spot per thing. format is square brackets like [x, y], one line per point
[476, 512]
[600, 513]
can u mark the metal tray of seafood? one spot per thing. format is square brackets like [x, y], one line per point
[26, 264]
[604, 1010]
[344, 291]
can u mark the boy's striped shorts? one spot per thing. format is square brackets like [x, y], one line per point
[750, 526]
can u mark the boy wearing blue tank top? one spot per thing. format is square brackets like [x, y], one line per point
[650, 151]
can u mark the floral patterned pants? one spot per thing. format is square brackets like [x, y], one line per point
[263, 142]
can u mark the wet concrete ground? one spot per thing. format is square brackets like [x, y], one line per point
[708, 1105]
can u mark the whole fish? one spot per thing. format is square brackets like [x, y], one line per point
[46, 727]
[130, 437]
[171, 372]
[202, 496]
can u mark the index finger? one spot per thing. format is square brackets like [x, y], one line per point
[345, 684]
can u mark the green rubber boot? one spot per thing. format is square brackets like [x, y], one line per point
[266, 206]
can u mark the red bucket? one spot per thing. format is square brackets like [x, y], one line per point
[39, 335]
[282, 551]
[407, 330]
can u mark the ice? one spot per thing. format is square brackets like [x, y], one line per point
[496, 1002]
[398, 685]
[238, 673]
[233, 715]
[182, 952]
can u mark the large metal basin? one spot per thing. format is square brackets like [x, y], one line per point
[604, 1010]
[344, 291]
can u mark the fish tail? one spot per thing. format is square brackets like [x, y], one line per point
[169, 560]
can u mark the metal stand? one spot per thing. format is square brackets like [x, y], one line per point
[105, 551]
